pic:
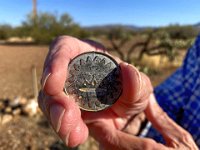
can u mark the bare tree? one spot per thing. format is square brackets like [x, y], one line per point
[144, 45]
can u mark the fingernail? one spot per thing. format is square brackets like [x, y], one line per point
[56, 116]
[45, 76]
[40, 99]
[138, 76]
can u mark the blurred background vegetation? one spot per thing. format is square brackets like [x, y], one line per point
[128, 42]
[44, 27]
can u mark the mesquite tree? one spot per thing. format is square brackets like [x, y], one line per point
[154, 42]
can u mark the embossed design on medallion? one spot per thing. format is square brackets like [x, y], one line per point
[94, 80]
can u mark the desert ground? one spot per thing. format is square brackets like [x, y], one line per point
[15, 69]
[34, 132]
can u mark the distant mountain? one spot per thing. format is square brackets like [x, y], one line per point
[197, 25]
[126, 27]
[113, 26]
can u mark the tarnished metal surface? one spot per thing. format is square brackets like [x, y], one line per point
[94, 80]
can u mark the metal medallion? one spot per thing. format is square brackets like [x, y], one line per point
[94, 80]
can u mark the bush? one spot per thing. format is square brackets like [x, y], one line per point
[46, 27]
[5, 31]
[181, 32]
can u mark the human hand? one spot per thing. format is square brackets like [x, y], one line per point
[63, 112]
[65, 116]
[110, 137]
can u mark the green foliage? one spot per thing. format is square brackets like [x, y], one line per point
[119, 33]
[5, 31]
[147, 70]
[181, 32]
[151, 41]
[46, 27]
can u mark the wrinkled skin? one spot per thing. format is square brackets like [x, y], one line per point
[111, 127]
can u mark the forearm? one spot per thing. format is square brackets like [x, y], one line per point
[173, 134]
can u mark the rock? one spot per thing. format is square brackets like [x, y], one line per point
[6, 102]
[31, 108]
[18, 101]
[2, 106]
[6, 118]
[8, 110]
[16, 111]
[14, 102]
[23, 101]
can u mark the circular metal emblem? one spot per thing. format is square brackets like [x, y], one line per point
[94, 80]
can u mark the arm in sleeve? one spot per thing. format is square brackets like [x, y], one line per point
[174, 93]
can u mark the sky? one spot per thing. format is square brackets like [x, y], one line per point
[104, 12]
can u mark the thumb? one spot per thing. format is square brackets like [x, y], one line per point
[174, 135]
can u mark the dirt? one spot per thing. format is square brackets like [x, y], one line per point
[15, 69]
[33, 133]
